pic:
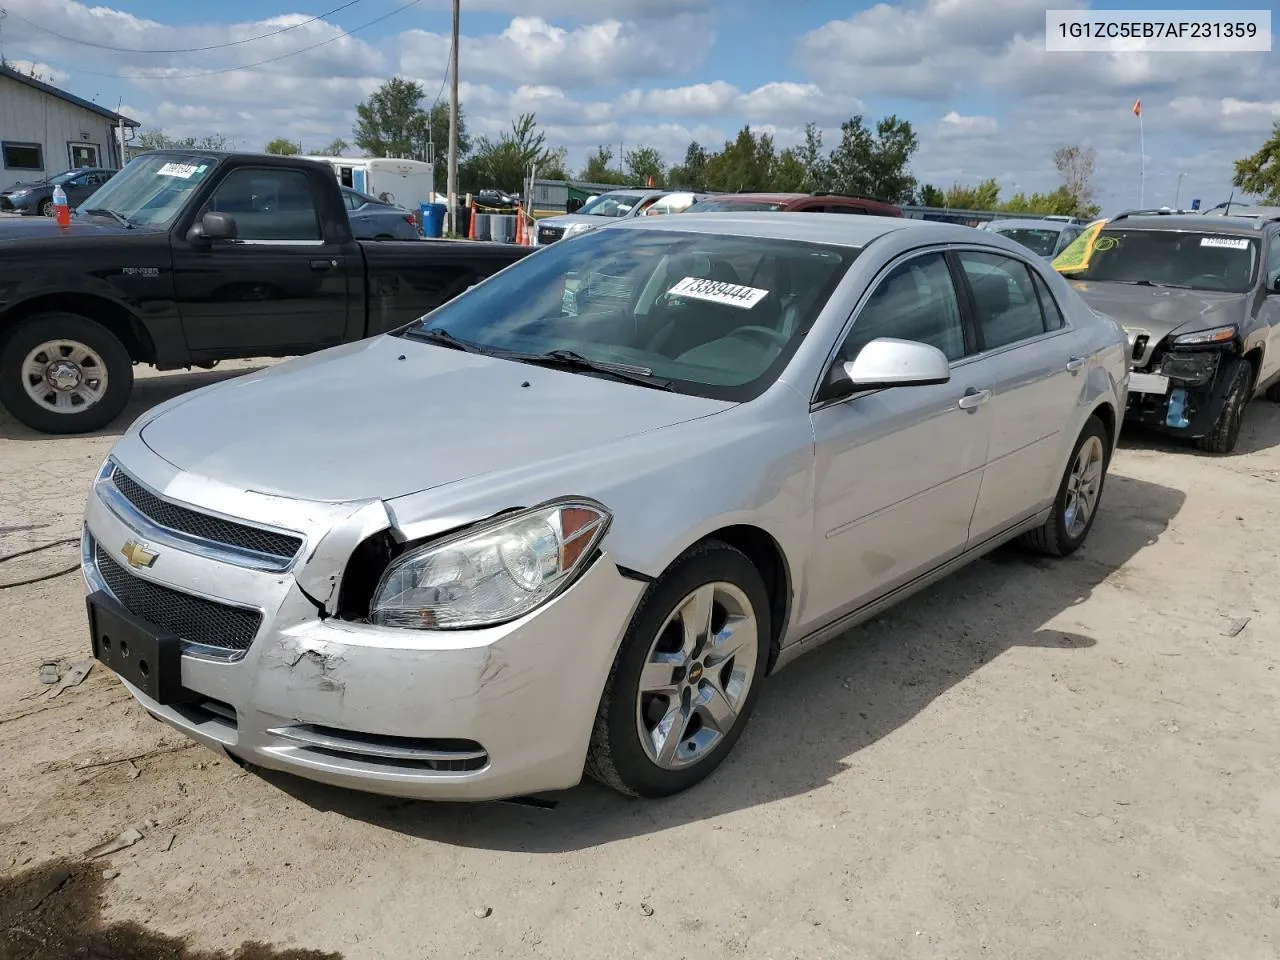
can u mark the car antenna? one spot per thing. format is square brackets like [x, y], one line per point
[1227, 212]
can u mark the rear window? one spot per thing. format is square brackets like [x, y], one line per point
[1042, 242]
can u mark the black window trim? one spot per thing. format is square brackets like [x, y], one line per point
[955, 252]
[27, 144]
[967, 317]
[251, 168]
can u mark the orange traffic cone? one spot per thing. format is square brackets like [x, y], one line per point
[471, 225]
[520, 223]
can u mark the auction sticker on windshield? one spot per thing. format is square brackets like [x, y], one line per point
[716, 291]
[183, 170]
[1229, 243]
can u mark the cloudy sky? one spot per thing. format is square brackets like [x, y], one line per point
[971, 75]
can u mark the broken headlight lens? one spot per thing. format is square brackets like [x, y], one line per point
[493, 574]
[1204, 338]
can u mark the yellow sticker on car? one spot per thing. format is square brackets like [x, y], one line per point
[1077, 254]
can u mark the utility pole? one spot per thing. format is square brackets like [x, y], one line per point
[453, 121]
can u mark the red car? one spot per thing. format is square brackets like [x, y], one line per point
[820, 202]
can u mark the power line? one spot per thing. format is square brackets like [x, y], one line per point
[214, 46]
[246, 66]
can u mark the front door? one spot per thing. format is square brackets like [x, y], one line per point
[1269, 313]
[1038, 375]
[898, 471]
[281, 288]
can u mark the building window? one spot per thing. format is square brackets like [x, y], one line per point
[83, 155]
[22, 156]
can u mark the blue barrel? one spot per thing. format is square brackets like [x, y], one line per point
[432, 217]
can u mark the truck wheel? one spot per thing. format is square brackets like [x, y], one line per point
[1222, 437]
[63, 373]
[1076, 505]
[686, 676]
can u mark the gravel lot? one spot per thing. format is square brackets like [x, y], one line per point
[1032, 759]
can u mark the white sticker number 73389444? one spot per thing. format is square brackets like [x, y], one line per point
[716, 291]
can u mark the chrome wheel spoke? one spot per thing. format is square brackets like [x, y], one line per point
[695, 618]
[715, 709]
[33, 369]
[669, 732]
[658, 675]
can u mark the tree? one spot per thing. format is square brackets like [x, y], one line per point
[747, 163]
[1259, 174]
[159, 140]
[692, 174]
[335, 149]
[1076, 166]
[1061, 202]
[504, 163]
[985, 196]
[874, 164]
[598, 170]
[931, 196]
[645, 167]
[555, 165]
[282, 147]
[392, 123]
[437, 133]
[817, 166]
[790, 175]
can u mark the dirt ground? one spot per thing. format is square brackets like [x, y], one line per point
[1032, 759]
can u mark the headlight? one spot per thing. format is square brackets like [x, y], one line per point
[575, 228]
[19, 194]
[1205, 337]
[491, 574]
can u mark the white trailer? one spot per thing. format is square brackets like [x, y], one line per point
[406, 182]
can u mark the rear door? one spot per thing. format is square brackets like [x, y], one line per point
[282, 287]
[1038, 367]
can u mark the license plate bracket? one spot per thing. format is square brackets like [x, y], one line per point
[1148, 383]
[148, 658]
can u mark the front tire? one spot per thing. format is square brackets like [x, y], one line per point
[46, 208]
[686, 676]
[62, 373]
[1079, 495]
[1222, 437]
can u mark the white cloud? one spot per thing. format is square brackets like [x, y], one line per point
[955, 125]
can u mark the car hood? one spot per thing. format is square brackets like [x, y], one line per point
[25, 186]
[1161, 311]
[569, 218]
[19, 230]
[387, 417]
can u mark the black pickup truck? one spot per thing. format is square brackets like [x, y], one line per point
[187, 258]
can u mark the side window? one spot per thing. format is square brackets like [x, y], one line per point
[1273, 261]
[268, 204]
[1008, 309]
[916, 301]
[351, 200]
[1053, 319]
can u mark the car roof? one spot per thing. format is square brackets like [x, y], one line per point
[1192, 222]
[830, 228]
[1030, 223]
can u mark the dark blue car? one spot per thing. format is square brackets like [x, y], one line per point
[36, 198]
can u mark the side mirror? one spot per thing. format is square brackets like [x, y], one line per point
[885, 363]
[213, 226]
[1275, 286]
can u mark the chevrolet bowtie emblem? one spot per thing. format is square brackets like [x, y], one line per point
[138, 556]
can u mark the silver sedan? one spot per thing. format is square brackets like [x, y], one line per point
[574, 518]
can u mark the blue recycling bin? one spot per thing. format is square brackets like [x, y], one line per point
[432, 216]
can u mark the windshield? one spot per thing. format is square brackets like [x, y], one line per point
[610, 205]
[151, 189]
[733, 206]
[1041, 242]
[713, 316]
[64, 176]
[1199, 260]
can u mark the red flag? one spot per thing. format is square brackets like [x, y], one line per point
[1137, 108]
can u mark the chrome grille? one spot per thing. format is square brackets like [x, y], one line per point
[193, 619]
[202, 525]
[550, 234]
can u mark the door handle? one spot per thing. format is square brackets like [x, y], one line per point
[1074, 364]
[973, 399]
[323, 264]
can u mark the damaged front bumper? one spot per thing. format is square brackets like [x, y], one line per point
[450, 715]
[1182, 392]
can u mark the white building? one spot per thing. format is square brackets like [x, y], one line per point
[44, 130]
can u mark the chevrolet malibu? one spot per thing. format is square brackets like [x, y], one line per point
[571, 520]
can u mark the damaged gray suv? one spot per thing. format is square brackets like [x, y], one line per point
[1200, 301]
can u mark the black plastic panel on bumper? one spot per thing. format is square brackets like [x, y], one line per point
[1202, 403]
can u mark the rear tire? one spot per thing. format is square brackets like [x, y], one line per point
[94, 374]
[46, 208]
[1222, 437]
[686, 676]
[1273, 393]
[1082, 482]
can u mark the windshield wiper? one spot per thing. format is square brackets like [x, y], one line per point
[443, 338]
[1152, 283]
[570, 360]
[118, 217]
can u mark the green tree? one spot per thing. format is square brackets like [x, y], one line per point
[555, 165]
[817, 165]
[336, 148]
[1061, 202]
[1259, 173]
[1076, 165]
[645, 167]
[392, 123]
[159, 140]
[692, 174]
[874, 164]
[598, 170]
[504, 163]
[747, 163]
[282, 147]
[985, 196]
[931, 196]
[790, 174]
